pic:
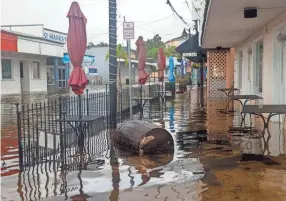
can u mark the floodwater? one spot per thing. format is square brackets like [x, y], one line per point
[208, 163]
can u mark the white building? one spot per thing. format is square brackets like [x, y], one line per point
[24, 61]
[102, 65]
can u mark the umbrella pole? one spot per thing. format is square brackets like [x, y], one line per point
[79, 107]
[80, 133]
[141, 104]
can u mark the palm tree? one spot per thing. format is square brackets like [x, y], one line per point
[121, 54]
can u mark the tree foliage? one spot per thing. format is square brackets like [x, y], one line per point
[121, 54]
[153, 45]
[101, 44]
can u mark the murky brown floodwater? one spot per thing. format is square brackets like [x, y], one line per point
[218, 166]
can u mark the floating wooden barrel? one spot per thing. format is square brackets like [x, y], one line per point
[143, 137]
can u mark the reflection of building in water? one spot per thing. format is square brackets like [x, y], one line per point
[277, 141]
[217, 122]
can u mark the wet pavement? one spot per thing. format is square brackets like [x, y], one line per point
[208, 163]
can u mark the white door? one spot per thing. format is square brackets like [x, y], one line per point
[21, 75]
[24, 76]
[278, 70]
[279, 64]
[249, 70]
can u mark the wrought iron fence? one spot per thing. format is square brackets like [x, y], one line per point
[42, 139]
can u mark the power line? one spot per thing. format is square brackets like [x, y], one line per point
[155, 20]
[195, 9]
[179, 16]
[151, 31]
[188, 6]
[158, 20]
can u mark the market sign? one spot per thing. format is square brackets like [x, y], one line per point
[55, 36]
[193, 54]
[128, 30]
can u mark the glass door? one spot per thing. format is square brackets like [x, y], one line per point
[62, 77]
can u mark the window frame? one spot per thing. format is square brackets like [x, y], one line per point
[255, 65]
[11, 69]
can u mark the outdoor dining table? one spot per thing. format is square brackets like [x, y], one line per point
[259, 110]
[80, 124]
[228, 92]
[246, 99]
[141, 101]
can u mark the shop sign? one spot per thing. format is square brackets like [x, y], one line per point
[55, 36]
[192, 54]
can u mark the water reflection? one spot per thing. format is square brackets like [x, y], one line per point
[119, 171]
[113, 174]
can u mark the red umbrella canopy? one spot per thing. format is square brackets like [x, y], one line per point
[76, 44]
[161, 64]
[141, 50]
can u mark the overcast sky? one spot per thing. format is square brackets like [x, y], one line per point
[150, 16]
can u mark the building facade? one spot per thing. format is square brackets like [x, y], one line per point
[49, 48]
[23, 62]
[258, 43]
[102, 65]
[175, 42]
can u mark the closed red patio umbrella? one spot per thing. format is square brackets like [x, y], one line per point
[76, 44]
[161, 64]
[141, 50]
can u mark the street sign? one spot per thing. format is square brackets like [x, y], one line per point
[193, 54]
[128, 30]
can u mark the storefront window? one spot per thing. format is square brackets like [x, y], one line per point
[6, 69]
[36, 70]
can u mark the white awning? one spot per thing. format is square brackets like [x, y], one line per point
[226, 26]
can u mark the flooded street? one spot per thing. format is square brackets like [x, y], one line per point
[208, 163]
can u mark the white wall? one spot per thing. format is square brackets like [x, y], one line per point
[13, 86]
[38, 85]
[31, 30]
[267, 35]
[40, 47]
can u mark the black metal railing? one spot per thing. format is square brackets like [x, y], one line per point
[42, 139]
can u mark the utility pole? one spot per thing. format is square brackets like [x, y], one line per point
[202, 62]
[112, 62]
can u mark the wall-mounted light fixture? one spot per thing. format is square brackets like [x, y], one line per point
[250, 12]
